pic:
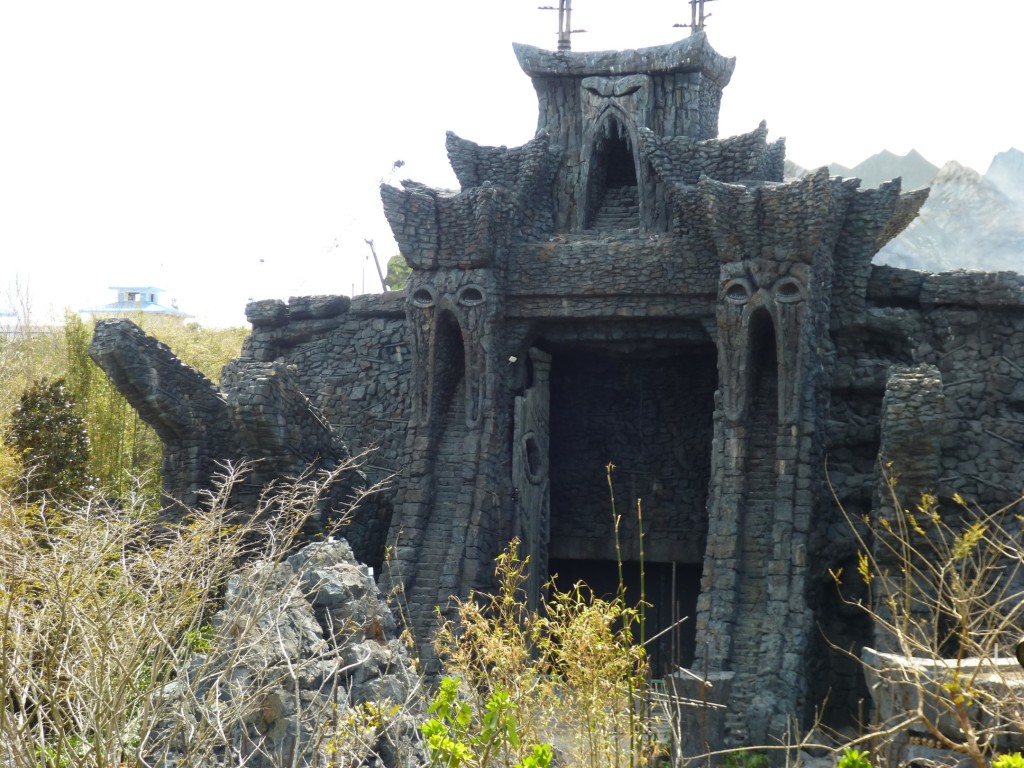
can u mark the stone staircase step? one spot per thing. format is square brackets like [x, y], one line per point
[619, 209]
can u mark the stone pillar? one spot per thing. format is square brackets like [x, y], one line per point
[913, 410]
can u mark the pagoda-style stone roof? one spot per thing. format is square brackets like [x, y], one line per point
[691, 54]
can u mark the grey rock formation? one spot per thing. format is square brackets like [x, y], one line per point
[305, 667]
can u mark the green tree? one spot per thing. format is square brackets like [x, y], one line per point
[398, 273]
[52, 444]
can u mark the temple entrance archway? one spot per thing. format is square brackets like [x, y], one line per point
[648, 412]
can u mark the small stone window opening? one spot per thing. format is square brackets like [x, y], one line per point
[535, 466]
[423, 298]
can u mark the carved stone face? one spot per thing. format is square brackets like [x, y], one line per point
[763, 283]
[451, 313]
[630, 94]
[614, 109]
[777, 288]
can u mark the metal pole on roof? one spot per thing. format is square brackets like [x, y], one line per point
[697, 16]
[565, 30]
[564, 15]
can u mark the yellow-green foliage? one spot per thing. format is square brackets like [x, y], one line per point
[454, 738]
[572, 673]
[10, 469]
[853, 758]
[1011, 760]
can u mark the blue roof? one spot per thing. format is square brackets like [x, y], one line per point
[131, 307]
[133, 299]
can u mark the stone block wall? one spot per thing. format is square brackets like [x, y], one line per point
[352, 358]
[968, 330]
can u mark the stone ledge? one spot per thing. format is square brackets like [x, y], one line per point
[1003, 290]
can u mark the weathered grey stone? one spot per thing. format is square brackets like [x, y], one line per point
[287, 671]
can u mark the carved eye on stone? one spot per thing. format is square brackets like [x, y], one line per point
[470, 296]
[738, 291]
[423, 298]
[592, 91]
[628, 90]
[788, 290]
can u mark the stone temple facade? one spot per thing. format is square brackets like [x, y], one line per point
[627, 288]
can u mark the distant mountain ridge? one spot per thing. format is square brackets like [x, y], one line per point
[1007, 173]
[915, 171]
[970, 221]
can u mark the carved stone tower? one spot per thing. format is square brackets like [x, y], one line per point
[626, 288]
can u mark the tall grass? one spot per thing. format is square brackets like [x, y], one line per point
[107, 655]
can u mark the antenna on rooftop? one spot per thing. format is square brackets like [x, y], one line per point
[565, 30]
[697, 16]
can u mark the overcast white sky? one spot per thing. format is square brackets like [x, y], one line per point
[232, 149]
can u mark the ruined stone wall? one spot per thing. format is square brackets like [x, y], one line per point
[968, 330]
[683, 160]
[352, 359]
[971, 328]
[185, 409]
[589, 267]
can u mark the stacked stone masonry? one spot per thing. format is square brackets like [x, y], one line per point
[628, 289]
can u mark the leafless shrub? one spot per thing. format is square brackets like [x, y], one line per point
[108, 654]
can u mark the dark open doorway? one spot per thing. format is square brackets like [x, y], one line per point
[649, 413]
[612, 200]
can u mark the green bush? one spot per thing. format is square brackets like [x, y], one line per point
[455, 738]
[1011, 760]
[854, 758]
[51, 443]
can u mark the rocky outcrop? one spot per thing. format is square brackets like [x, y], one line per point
[304, 665]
